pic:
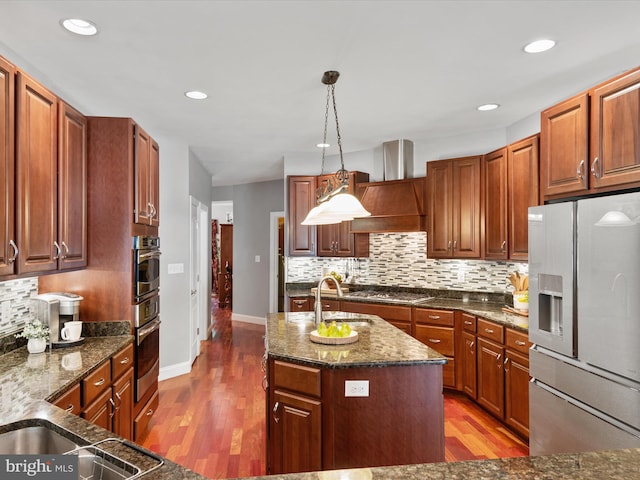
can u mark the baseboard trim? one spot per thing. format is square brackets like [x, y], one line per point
[236, 317]
[174, 371]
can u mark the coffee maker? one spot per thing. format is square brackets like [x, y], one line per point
[54, 309]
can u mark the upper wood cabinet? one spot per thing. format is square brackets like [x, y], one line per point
[522, 193]
[510, 188]
[7, 167]
[590, 142]
[72, 188]
[146, 168]
[302, 198]
[337, 240]
[495, 205]
[453, 206]
[36, 174]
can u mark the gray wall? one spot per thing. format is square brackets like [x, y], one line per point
[252, 205]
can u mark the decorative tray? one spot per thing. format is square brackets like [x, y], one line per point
[352, 338]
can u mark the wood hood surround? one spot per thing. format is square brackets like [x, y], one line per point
[395, 206]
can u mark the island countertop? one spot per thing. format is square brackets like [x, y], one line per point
[379, 344]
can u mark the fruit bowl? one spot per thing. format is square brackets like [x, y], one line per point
[317, 338]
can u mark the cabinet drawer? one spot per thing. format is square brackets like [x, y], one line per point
[517, 341]
[468, 322]
[141, 422]
[387, 312]
[490, 330]
[95, 383]
[70, 400]
[434, 317]
[297, 378]
[121, 361]
[330, 305]
[299, 305]
[438, 338]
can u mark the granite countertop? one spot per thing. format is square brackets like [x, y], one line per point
[425, 298]
[379, 344]
[610, 465]
[28, 382]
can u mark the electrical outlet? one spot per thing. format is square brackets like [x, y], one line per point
[356, 388]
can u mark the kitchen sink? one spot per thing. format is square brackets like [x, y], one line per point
[45, 438]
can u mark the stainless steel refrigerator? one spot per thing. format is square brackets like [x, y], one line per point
[584, 307]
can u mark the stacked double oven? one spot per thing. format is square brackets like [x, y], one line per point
[146, 271]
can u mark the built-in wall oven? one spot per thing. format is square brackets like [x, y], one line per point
[146, 259]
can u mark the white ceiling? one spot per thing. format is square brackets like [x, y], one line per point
[409, 69]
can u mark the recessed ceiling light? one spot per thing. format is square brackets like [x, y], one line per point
[196, 95]
[488, 107]
[539, 46]
[79, 26]
[323, 145]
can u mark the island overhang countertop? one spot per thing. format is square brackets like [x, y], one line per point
[379, 343]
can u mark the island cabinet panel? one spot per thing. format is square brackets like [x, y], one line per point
[383, 428]
[435, 328]
[399, 317]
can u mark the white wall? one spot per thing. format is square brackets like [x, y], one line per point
[174, 244]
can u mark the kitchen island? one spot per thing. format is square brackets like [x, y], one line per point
[377, 401]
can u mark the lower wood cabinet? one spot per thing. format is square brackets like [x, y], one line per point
[70, 400]
[516, 370]
[141, 421]
[435, 328]
[490, 376]
[307, 304]
[398, 316]
[468, 356]
[312, 425]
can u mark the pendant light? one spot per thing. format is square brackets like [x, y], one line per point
[334, 203]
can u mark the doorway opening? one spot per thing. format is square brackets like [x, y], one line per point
[277, 263]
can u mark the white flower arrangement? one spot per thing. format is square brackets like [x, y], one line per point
[35, 329]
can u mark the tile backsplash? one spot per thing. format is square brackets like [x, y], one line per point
[14, 303]
[400, 259]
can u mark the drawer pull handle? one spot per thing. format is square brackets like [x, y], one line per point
[149, 412]
[506, 364]
[113, 408]
[69, 408]
[520, 343]
[265, 383]
[498, 360]
[434, 317]
[99, 382]
[275, 411]
[468, 322]
[435, 340]
[124, 361]
[488, 330]
[472, 344]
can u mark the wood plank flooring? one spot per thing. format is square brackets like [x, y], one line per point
[213, 419]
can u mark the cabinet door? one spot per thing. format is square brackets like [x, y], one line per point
[490, 377]
[123, 399]
[469, 369]
[7, 164]
[154, 183]
[496, 244]
[72, 188]
[516, 370]
[296, 435]
[70, 400]
[302, 198]
[100, 412]
[523, 192]
[142, 171]
[36, 173]
[300, 304]
[440, 209]
[466, 223]
[615, 133]
[564, 148]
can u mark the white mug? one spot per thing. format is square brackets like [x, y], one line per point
[72, 331]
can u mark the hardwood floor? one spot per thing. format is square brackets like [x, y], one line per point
[213, 419]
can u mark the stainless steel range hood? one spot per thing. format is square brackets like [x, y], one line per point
[399, 203]
[398, 159]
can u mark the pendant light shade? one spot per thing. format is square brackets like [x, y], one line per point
[335, 205]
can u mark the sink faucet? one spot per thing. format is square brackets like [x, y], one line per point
[318, 303]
